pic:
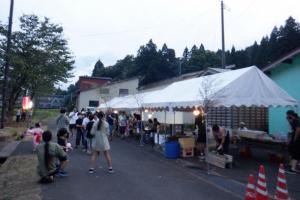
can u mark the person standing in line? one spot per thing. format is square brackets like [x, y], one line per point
[100, 143]
[62, 120]
[23, 116]
[139, 129]
[150, 132]
[47, 153]
[294, 144]
[122, 124]
[73, 117]
[156, 129]
[201, 135]
[89, 136]
[116, 123]
[79, 133]
[18, 115]
[84, 123]
[30, 113]
[110, 120]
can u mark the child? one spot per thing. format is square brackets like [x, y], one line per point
[37, 135]
[62, 136]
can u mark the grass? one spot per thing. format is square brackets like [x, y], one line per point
[44, 114]
[13, 130]
[18, 178]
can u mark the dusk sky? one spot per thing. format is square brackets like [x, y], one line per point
[109, 30]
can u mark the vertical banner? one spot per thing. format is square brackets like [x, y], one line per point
[26, 103]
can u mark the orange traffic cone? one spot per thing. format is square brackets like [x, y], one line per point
[281, 189]
[250, 191]
[261, 187]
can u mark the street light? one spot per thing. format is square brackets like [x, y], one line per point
[7, 57]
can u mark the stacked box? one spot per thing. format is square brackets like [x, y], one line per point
[187, 146]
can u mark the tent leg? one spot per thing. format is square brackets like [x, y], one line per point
[207, 141]
[174, 131]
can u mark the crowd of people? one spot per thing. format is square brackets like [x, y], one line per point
[93, 133]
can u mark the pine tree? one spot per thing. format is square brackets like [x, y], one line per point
[99, 69]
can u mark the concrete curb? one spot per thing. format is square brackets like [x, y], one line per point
[8, 149]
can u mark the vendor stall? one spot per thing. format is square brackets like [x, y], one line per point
[244, 87]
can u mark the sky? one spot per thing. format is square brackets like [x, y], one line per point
[110, 30]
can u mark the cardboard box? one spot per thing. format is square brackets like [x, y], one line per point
[187, 142]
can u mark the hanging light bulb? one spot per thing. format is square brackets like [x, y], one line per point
[196, 112]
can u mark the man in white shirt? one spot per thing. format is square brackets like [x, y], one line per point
[73, 117]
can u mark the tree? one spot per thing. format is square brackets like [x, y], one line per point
[99, 69]
[40, 58]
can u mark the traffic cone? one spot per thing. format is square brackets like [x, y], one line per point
[281, 188]
[261, 187]
[250, 191]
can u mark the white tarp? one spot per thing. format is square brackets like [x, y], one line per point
[244, 87]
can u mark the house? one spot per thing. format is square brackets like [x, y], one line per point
[285, 72]
[87, 97]
[94, 96]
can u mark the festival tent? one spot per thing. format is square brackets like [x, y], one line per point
[133, 101]
[243, 87]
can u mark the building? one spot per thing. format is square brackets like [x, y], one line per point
[164, 83]
[94, 96]
[285, 72]
[86, 96]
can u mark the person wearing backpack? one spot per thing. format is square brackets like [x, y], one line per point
[89, 136]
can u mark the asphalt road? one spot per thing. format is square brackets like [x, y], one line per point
[140, 173]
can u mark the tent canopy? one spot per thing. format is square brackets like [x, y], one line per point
[243, 87]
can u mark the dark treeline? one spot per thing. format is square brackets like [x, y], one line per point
[153, 64]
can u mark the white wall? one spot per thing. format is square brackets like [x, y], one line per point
[180, 117]
[95, 94]
[114, 88]
[86, 96]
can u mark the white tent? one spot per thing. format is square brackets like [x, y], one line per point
[244, 87]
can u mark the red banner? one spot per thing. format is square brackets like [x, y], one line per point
[26, 103]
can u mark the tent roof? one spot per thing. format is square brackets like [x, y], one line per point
[244, 87]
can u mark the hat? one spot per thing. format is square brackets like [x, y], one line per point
[242, 123]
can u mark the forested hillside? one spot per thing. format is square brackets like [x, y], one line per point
[154, 64]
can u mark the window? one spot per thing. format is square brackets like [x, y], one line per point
[123, 92]
[104, 91]
[93, 103]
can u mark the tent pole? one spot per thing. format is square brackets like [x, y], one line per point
[165, 124]
[207, 142]
[173, 133]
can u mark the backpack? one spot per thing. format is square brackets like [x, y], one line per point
[89, 127]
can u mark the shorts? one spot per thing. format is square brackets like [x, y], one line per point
[62, 158]
[294, 150]
[201, 138]
[72, 126]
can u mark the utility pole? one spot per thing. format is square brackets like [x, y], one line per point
[223, 40]
[6, 67]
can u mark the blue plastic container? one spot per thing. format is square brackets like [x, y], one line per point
[172, 149]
